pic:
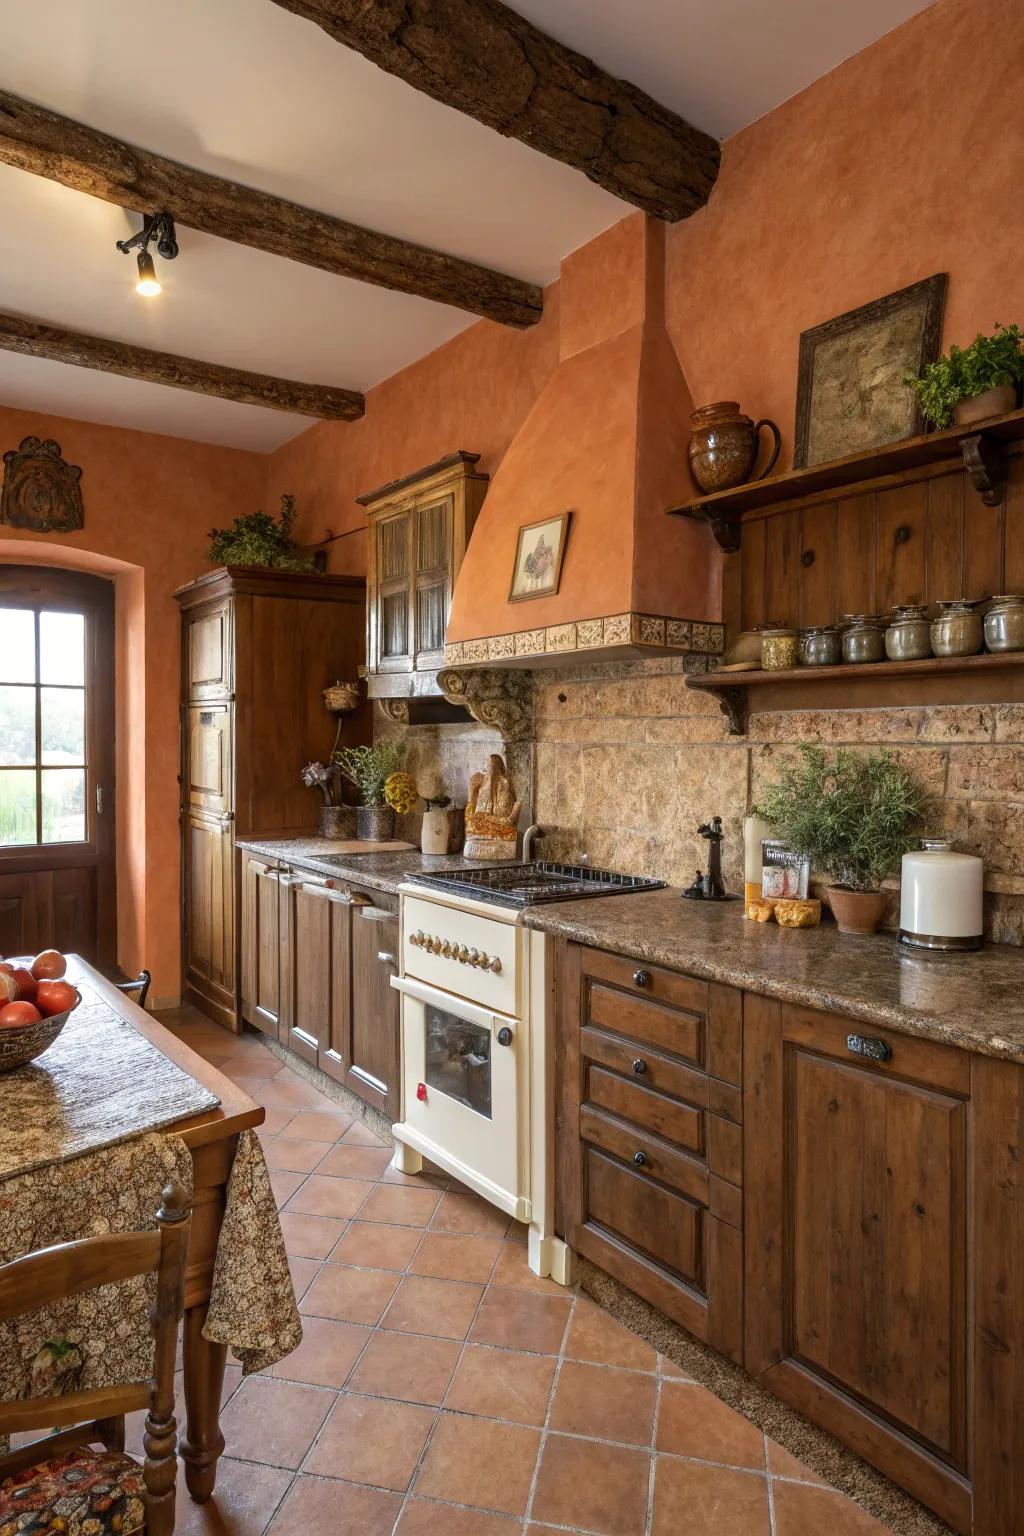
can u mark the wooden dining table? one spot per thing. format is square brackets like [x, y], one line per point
[212, 1138]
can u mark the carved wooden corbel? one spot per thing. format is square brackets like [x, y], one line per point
[985, 463]
[394, 709]
[502, 700]
[733, 704]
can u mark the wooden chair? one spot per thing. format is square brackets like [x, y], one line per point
[139, 985]
[63, 1462]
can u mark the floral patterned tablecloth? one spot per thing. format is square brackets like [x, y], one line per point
[103, 1337]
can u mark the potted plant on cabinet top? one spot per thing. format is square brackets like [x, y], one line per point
[383, 788]
[974, 382]
[258, 539]
[853, 816]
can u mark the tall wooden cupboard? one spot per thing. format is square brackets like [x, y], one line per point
[258, 648]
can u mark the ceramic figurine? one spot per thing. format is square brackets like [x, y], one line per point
[492, 814]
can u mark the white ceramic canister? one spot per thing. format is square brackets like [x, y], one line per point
[941, 897]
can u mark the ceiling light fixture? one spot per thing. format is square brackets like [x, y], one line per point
[158, 227]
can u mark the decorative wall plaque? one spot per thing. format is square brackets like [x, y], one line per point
[41, 490]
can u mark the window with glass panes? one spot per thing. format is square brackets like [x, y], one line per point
[42, 727]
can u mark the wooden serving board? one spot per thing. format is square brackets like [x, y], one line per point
[350, 845]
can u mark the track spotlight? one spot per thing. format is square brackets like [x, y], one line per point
[158, 227]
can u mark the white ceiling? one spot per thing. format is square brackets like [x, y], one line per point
[244, 89]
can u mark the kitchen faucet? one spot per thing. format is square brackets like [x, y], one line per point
[710, 887]
[533, 834]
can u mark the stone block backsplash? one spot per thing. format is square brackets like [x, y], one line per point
[627, 762]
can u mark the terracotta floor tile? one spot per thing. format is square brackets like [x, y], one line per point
[275, 1121]
[518, 1232]
[712, 1501]
[244, 1080]
[407, 1207]
[443, 1308]
[287, 1091]
[519, 1320]
[414, 1180]
[319, 1125]
[596, 1336]
[371, 1440]
[782, 1464]
[355, 1162]
[468, 1213]
[284, 1185]
[343, 1509]
[448, 1256]
[671, 1370]
[274, 1422]
[406, 1366]
[376, 1246]
[604, 1402]
[295, 1155]
[328, 1351]
[500, 1384]
[329, 1197]
[598, 1487]
[802, 1509]
[480, 1462]
[242, 1505]
[303, 1272]
[513, 1272]
[310, 1237]
[424, 1517]
[359, 1135]
[693, 1422]
[349, 1295]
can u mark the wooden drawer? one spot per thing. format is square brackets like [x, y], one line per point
[655, 1221]
[648, 1022]
[650, 1068]
[645, 1152]
[679, 1123]
[647, 981]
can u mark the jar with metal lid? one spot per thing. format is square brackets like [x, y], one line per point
[864, 638]
[908, 637]
[1004, 624]
[957, 631]
[821, 646]
[780, 649]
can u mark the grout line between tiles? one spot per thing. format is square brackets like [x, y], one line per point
[547, 1416]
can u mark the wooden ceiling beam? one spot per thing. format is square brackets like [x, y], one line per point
[483, 59]
[31, 339]
[34, 139]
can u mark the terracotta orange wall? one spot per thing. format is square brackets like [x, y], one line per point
[903, 162]
[149, 504]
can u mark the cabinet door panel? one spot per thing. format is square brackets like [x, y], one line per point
[373, 1039]
[307, 956]
[208, 653]
[208, 758]
[261, 946]
[209, 915]
[656, 1221]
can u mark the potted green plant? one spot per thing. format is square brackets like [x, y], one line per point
[972, 383]
[256, 538]
[382, 787]
[853, 816]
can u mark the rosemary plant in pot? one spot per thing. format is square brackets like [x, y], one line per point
[972, 383]
[853, 816]
[383, 788]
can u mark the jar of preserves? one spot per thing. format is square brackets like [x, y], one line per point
[1004, 624]
[957, 631]
[908, 637]
[864, 638]
[821, 646]
[780, 649]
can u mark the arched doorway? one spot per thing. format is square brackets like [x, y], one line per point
[57, 835]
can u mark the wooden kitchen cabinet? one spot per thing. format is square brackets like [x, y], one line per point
[364, 1051]
[261, 945]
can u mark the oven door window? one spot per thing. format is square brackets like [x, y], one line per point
[458, 1059]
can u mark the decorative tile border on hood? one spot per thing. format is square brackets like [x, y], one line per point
[637, 630]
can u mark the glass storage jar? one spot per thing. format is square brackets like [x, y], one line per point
[1004, 624]
[908, 637]
[864, 638]
[821, 646]
[780, 649]
[957, 630]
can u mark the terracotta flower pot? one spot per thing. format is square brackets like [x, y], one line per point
[994, 402]
[856, 911]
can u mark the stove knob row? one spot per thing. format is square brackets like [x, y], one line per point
[478, 958]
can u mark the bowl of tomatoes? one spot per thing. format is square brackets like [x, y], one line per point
[35, 1004]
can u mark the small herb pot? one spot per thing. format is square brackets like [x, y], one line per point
[908, 637]
[822, 646]
[957, 631]
[375, 823]
[994, 402]
[864, 640]
[780, 649]
[1004, 624]
[856, 911]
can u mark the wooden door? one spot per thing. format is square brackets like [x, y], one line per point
[432, 540]
[260, 945]
[858, 1316]
[311, 911]
[209, 645]
[57, 880]
[366, 1031]
[209, 914]
[391, 639]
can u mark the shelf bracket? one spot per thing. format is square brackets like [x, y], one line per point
[732, 701]
[985, 464]
[725, 529]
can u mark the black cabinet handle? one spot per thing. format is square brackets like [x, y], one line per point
[639, 1067]
[640, 1158]
[641, 978]
[869, 1046]
[504, 1035]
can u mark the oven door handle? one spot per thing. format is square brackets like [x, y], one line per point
[471, 1012]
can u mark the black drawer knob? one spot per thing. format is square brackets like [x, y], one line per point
[504, 1035]
[640, 1158]
[641, 978]
[639, 1067]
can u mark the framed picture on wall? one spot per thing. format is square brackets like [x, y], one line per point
[850, 391]
[540, 551]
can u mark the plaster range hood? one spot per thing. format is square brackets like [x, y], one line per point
[605, 440]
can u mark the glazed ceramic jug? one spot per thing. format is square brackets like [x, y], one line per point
[724, 445]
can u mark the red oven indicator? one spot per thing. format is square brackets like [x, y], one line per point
[421, 1092]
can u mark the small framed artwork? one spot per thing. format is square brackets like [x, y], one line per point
[539, 554]
[851, 397]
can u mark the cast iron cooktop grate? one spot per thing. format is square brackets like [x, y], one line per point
[523, 885]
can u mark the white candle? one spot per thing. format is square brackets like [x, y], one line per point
[755, 830]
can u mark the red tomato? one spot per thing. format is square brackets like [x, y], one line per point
[8, 988]
[16, 1015]
[55, 997]
[48, 965]
[26, 984]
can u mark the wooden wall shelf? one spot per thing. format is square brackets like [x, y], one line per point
[979, 680]
[979, 448]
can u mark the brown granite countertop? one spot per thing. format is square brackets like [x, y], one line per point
[377, 871]
[975, 1001]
